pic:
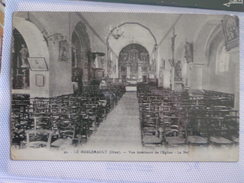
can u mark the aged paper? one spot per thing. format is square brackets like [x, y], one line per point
[119, 86]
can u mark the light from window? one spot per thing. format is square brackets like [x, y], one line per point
[222, 61]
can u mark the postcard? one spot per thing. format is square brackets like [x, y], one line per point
[114, 86]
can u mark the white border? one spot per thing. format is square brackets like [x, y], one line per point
[40, 171]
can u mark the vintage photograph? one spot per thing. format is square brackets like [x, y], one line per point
[114, 86]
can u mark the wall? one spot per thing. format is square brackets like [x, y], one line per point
[32, 35]
[203, 33]
[227, 81]
[131, 33]
[200, 74]
[223, 81]
[58, 27]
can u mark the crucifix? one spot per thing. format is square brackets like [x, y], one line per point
[173, 46]
[173, 59]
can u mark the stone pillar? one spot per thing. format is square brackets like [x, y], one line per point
[60, 67]
[235, 57]
[196, 76]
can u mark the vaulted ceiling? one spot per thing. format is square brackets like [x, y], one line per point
[158, 23]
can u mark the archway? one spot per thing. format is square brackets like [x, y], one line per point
[220, 65]
[81, 61]
[134, 63]
[129, 33]
[33, 39]
[20, 70]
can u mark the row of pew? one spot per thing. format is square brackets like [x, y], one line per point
[67, 119]
[190, 117]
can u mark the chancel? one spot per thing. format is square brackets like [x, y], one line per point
[88, 79]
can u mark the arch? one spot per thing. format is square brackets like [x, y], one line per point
[211, 47]
[20, 53]
[37, 47]
[135, 23]
[81, 49]
[204, 37]
[32, 36]
[80, 30]
[132, 32]
[76, 47]
[133, 62]
[216, 37]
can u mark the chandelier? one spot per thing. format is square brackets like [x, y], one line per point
[117, 33]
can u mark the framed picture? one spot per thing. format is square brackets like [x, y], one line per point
[40, 80]
[37, 64]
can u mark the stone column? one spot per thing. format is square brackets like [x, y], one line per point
[60, 68]
[196, 73]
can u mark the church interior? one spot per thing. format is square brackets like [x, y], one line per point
[124, 79]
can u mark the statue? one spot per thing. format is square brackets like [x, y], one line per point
[23, 56]
[63, 50]
[178, 71]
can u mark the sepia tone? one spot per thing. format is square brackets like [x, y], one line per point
[124, 87]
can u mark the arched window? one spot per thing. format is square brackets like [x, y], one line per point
[222, 60]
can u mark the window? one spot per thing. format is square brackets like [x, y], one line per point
[222, 60]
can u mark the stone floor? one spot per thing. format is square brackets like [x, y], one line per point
[121, 127]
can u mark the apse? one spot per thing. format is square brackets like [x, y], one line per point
[134, 63]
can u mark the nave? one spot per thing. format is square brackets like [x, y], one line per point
[121, 128]
[133, 124]
[151, 116]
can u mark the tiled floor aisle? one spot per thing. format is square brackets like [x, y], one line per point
[122, 127]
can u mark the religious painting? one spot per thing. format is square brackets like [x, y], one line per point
[231, 31]
[178, 71]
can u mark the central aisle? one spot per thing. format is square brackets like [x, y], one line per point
[121, 128]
